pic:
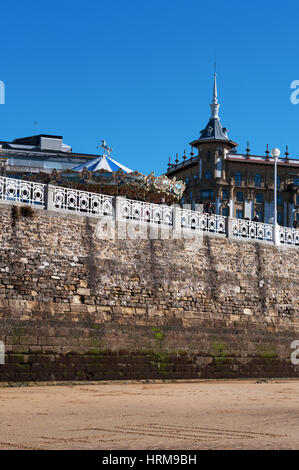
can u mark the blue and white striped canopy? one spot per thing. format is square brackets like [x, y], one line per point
[103, 162]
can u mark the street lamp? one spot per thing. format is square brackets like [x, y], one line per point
[275, 154]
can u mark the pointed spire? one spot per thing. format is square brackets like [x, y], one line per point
[214, 105]
[287, 153]
[267, 152]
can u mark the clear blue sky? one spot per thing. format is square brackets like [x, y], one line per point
[139, 74]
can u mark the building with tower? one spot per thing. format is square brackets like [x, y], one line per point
[239, 185]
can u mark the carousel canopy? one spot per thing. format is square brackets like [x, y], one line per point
[103, 162]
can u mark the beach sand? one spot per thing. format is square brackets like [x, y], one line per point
[190, 415]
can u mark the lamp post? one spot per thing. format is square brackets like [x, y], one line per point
[275, 154]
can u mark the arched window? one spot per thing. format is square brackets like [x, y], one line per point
[208, 175]
[257, 181]
[296, 181]
[238, 179]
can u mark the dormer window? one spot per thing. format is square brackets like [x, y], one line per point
[208, 175]
[209, 131]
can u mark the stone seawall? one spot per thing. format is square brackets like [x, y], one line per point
[73, 306]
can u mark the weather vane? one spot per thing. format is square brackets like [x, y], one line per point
[105, 147]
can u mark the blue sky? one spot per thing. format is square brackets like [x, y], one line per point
[139, 74]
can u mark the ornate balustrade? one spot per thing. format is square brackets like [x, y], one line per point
[145, 212]
[27, 192]
[289, 236]
[85, 202]
[194, 220]
[252, 230]
[58, 198]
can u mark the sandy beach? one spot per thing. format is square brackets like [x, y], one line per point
[194, 415]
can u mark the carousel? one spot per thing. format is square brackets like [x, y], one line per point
[107, 176]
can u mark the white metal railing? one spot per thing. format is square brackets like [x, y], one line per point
[194, 220]
[289, 235]
[98, 205]
[253, 230]
[27, 192]
[146, 212]
[82, 201]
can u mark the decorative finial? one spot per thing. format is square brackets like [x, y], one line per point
[177, 158]
[169, 163]
[247, 149]
[287, 152]
[184, 156]
[192, 153]
[267, 152]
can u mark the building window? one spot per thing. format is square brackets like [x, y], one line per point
[224, 193]
[296, 181]
[239, 196]
[257, 181]
[297, 216]
[279, 199]
[208, 175]
[278, 182]
[297, 199]
[187, 180]
[259, 198]
[238, 179]
[206, 194]
[225, 211]
[260, 215]
[239, 214]
[279, 217]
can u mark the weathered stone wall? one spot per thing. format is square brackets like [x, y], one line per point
[73, 306]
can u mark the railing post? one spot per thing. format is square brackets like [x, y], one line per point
[176, 221]
[229, 227]
[276, 234]
[49, 197]
[117, 208]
